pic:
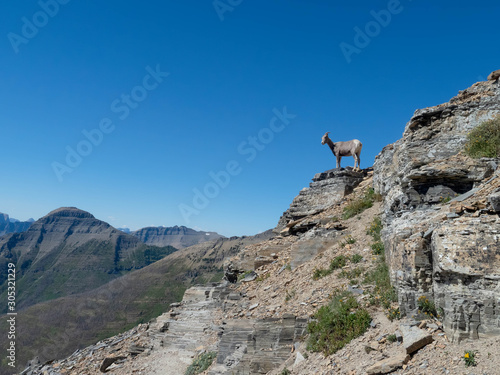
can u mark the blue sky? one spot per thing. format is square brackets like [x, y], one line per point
[69, 67]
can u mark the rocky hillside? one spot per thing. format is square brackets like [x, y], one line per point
[7, 225]
[258, 325]
[433, 209]
[69, 251]
[57, 328]
[178, 237]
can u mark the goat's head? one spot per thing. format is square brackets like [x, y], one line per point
[325, 137]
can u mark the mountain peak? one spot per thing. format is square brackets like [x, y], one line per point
[70, 212]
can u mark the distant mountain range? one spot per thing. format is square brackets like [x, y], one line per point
[178, 237]
[69, 251]
[10, 225]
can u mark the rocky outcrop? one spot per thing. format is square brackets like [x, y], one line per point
[327, 189]
[178, 237]
[256, 346]
[8, 225]
[493, 76]
[446, 252]
[192, 327]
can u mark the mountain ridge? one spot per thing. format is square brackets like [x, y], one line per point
[176, 236]
[9, 225]
[69, 251]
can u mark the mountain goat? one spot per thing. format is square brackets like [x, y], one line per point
[349, 148]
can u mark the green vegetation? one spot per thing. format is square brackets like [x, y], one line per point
[375, 231]
[393, 313]
[217, 277]
[359, 205]
[484, 140]
[263, 277]
[356, 258]
[384, 294]
[352, 274]
[445, 200]
[391, 338]
[241, 276]
[470, 358]
[427, 307]
[285, 371]
[338, 262]
[153, 254]
[321, 272]
[349, 240]
[336, 324]
[201, 363]
[377, 248]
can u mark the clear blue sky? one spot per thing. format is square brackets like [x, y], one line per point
[87, 63]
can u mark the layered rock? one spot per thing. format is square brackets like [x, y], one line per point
[193, 326]
[256, 346]
[327, 189]
[178, 237]
[434, 250]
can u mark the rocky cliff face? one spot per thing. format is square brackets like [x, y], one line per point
[178, 237]
[446, 252]
[9, 226]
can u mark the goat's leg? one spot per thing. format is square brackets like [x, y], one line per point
[338, 161]
[356, 161]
